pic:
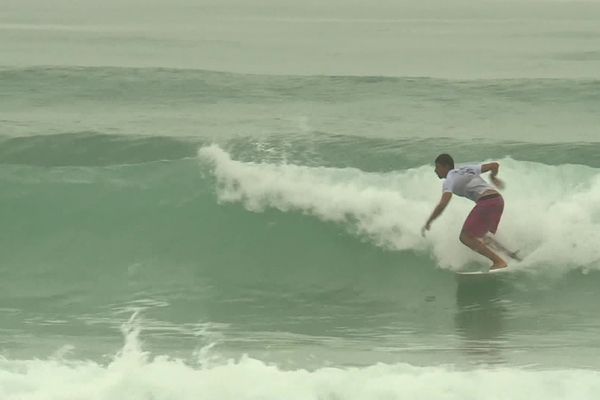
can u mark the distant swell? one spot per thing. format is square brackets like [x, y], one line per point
[91, 148]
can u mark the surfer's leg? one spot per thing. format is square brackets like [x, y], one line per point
[494, 244]
[477, 245]
[483, 218]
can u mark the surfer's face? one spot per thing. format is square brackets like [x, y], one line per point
[441, 170]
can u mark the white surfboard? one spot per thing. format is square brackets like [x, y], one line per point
[490, 272]
[495, 245]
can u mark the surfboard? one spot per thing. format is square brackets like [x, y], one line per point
[482, 277]
[490, 272]
[495, 245]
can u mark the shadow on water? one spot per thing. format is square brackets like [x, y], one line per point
[480, 319]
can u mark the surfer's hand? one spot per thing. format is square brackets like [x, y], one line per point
[498, 183]
[425, 228]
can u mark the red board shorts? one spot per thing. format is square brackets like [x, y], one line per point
[484, 217]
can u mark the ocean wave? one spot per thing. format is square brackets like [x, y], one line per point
[552, 212]
[293, 217]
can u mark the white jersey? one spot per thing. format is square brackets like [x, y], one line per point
[466, 182]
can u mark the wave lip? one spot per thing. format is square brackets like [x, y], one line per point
[347, 196]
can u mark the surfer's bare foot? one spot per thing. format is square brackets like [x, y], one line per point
[499, 265]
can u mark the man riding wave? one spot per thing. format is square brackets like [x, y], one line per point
[485, 216]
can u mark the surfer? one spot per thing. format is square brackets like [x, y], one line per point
[485, 216]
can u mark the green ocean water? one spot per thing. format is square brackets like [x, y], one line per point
[189, 231]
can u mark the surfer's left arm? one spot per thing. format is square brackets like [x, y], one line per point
[437, 211]
[493, 167]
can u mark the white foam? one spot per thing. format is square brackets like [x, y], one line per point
[136, 375]
[552, 212]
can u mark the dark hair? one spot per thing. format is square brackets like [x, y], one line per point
[446, 160]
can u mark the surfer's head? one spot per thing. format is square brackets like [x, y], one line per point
[443, 164]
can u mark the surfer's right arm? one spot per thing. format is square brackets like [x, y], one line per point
[493, 167]
[446, 196]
